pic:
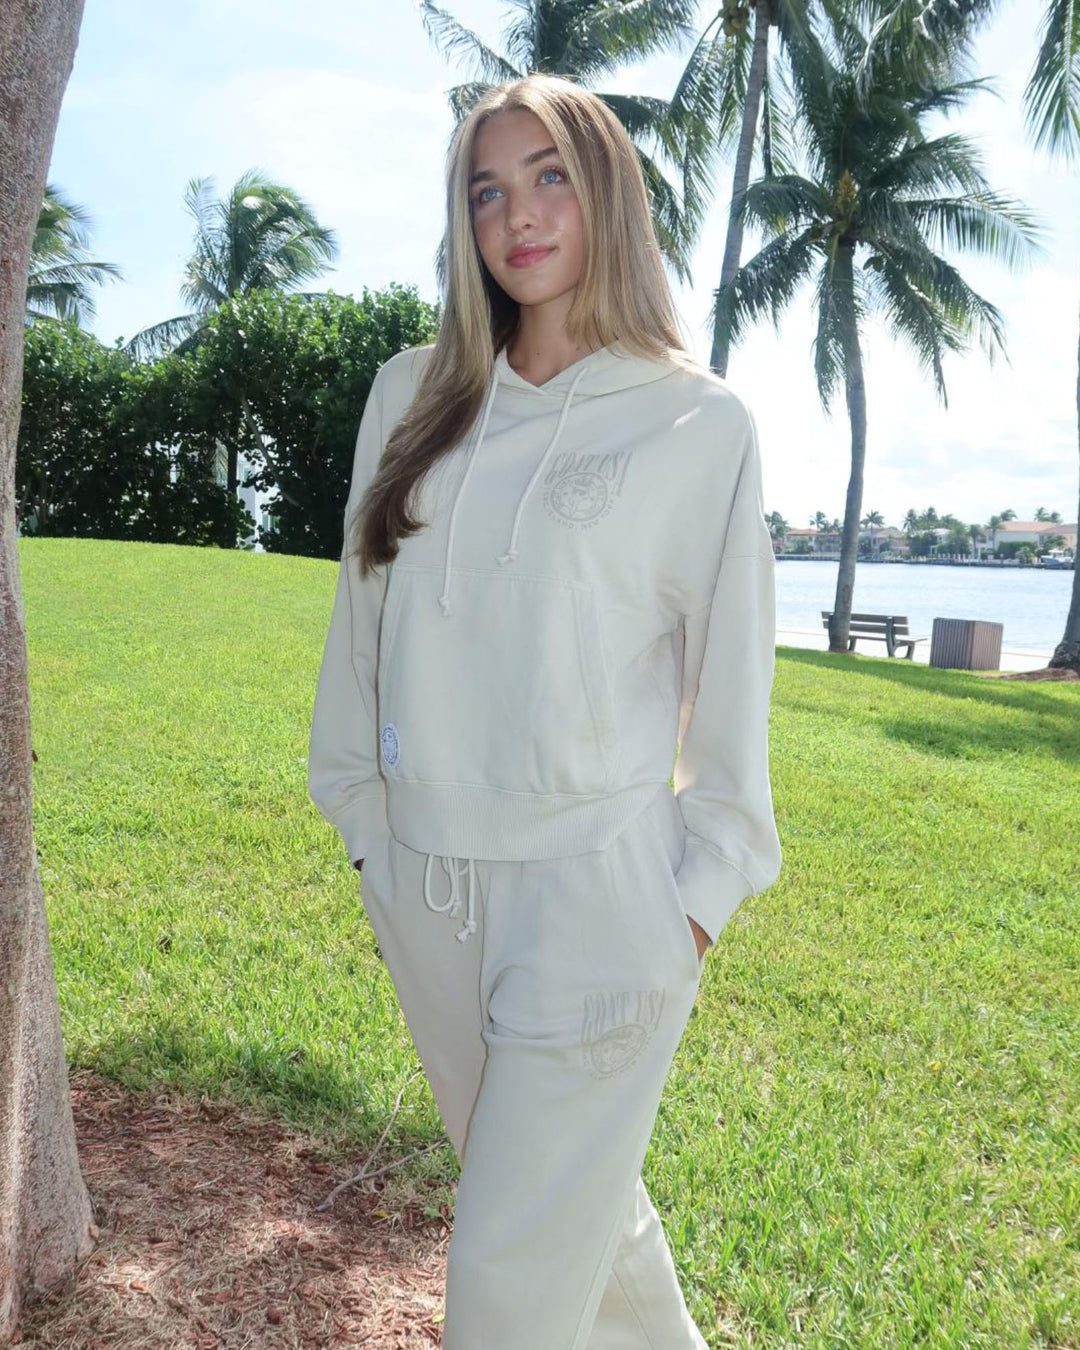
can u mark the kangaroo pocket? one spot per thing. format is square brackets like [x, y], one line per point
[510, 690]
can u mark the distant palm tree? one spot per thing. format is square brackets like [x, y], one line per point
[870, 521]
[875, 182]
[261, 236]
[585, 40]
[778, 526]
[925, 29]
[58, 285]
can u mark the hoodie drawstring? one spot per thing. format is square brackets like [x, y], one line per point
[453, 901]
[511, 552]
[452, 904]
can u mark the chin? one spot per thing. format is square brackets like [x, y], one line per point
[538, 295]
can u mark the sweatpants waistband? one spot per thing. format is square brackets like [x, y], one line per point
[460, 825]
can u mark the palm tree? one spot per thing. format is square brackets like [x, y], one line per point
[751, 88]
[262, 235]
[875, 182]
[922, 30]
[585, 40]
[778, 525]
[58, 284]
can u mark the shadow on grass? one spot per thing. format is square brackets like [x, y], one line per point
[1039, 718]
[286, 1082]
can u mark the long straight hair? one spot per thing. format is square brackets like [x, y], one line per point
[621, 299]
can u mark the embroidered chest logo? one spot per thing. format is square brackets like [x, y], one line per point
[616, 1028]
[580, 490]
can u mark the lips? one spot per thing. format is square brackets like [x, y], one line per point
[527, 256]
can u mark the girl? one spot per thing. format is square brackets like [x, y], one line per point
[556, 567]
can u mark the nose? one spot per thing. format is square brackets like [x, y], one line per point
[520, 210]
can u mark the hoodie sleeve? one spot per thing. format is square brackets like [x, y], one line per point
[721, 778]
[343, 765]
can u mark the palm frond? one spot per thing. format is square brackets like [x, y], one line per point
[764, 285]
[163, 337]
[1052, 97]
[461, 44]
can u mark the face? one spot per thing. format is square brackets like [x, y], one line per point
[521, 196]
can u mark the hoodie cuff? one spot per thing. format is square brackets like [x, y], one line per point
[710, 887]
[361, 823]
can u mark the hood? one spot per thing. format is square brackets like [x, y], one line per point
[604, 371]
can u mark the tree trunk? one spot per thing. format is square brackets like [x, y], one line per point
[718, 359]
[855, 385]
[45, 1211]
[1067, 652]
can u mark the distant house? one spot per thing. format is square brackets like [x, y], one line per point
[826, 543]
[885, 538]
[251, 499]
[818, 541]
[1035, 533]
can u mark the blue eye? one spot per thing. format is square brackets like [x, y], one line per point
[480, 200]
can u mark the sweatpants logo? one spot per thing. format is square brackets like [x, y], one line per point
[616, 1028]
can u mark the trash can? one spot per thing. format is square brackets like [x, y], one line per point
[966, 644]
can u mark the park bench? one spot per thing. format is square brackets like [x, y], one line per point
[892, 629]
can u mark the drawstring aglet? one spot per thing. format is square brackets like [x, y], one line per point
[508, 557]
[444, 601]
[463, 932]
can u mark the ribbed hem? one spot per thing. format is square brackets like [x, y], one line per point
[455, 820]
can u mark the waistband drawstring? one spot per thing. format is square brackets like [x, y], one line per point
[453, 901]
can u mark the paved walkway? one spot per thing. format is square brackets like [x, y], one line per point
[819, 641]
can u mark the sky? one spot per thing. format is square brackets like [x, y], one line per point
[345, 102]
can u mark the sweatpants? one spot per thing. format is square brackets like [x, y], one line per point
[546, 1000]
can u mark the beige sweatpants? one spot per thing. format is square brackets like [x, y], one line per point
[546, 1028]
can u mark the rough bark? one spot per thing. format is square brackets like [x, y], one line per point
[45, 1211]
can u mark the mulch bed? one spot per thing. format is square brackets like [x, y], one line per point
[209, 1237]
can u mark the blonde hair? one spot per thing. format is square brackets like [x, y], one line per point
[622, 298]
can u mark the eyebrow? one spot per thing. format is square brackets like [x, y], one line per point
[485, 175]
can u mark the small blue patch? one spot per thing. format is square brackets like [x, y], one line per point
[391, 746]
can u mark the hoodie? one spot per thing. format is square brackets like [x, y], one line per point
[590, 605]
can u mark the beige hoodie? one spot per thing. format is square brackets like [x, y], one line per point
[595, 584]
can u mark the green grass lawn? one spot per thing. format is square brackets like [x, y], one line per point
[871, 1133]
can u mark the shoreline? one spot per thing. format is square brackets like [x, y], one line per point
[926, 562]
[1012, 659]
